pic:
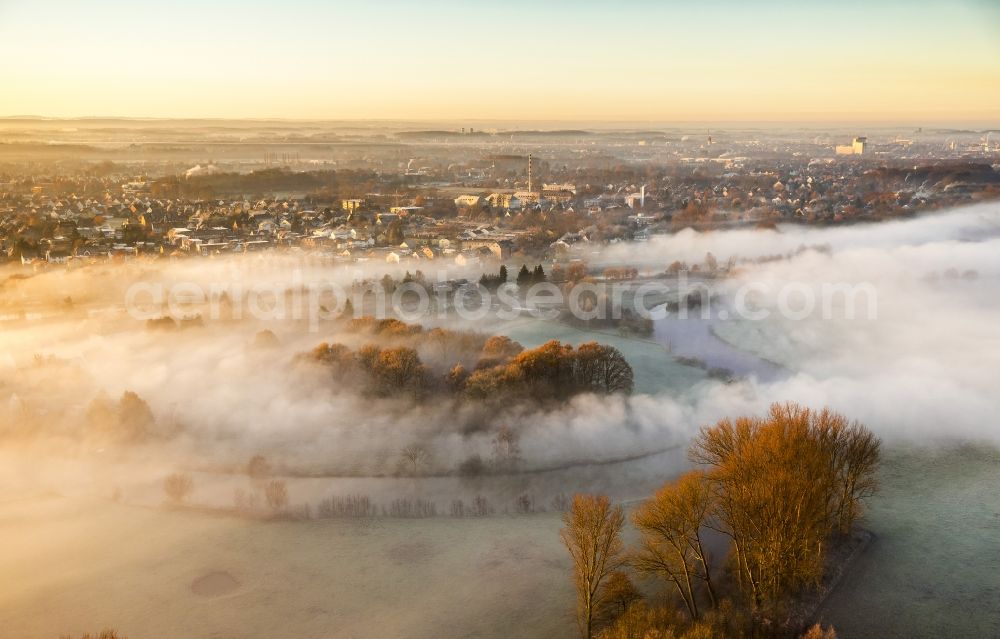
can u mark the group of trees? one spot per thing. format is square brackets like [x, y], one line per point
[264, 484]
[385, 328]
[127, 421]
[595, 309]
[273, 492]
[393, 370]
[710, 266]
[442, 347]
[568, 275]
[526, 278]
[178, 486]
[494, 368]
[784, 483]
[554, 371]
[415, 459]
[492, 282]
[782, 489]
[386, 372]
[573, 273]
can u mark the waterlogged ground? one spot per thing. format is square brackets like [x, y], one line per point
[934, 570]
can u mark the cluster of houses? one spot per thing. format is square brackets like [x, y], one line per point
[40, 223]
[61, 230]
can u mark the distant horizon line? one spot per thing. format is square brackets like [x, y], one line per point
[984, 124]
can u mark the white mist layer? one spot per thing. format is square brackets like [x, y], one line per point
[924, 369]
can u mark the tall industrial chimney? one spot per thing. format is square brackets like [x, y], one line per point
[529, 173]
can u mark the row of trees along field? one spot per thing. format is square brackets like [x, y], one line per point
[780, 490]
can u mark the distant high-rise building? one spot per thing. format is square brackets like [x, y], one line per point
[858, 147]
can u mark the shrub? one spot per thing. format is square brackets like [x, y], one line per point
[178, 486]
[481, 507]
[412, 508]
[525, 504]
[346, 506]
[472, 466]
[276, 494]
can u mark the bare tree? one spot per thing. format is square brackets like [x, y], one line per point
[178, 486]
[622, 593]
[135, 419]
[276, 494]
[603, 369]
[818, 632]
[416, 457]
[854, 453]
[671, 547]
[592, 535]
[506, 448]
[481, 507]
[104, 634]
[258, 468]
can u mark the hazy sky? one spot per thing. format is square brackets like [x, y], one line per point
[509, 59]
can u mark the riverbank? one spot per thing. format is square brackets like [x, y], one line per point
[839, 561]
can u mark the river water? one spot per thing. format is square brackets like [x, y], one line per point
[695, 337]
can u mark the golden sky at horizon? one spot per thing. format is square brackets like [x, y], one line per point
[442, 59]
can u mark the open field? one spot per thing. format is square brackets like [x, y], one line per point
[932, 571]
[73, 565]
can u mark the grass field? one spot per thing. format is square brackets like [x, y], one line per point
[76, 565]
[72, 565]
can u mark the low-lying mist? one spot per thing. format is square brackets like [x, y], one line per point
[922, 368]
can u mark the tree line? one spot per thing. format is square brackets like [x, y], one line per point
[525, 277]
